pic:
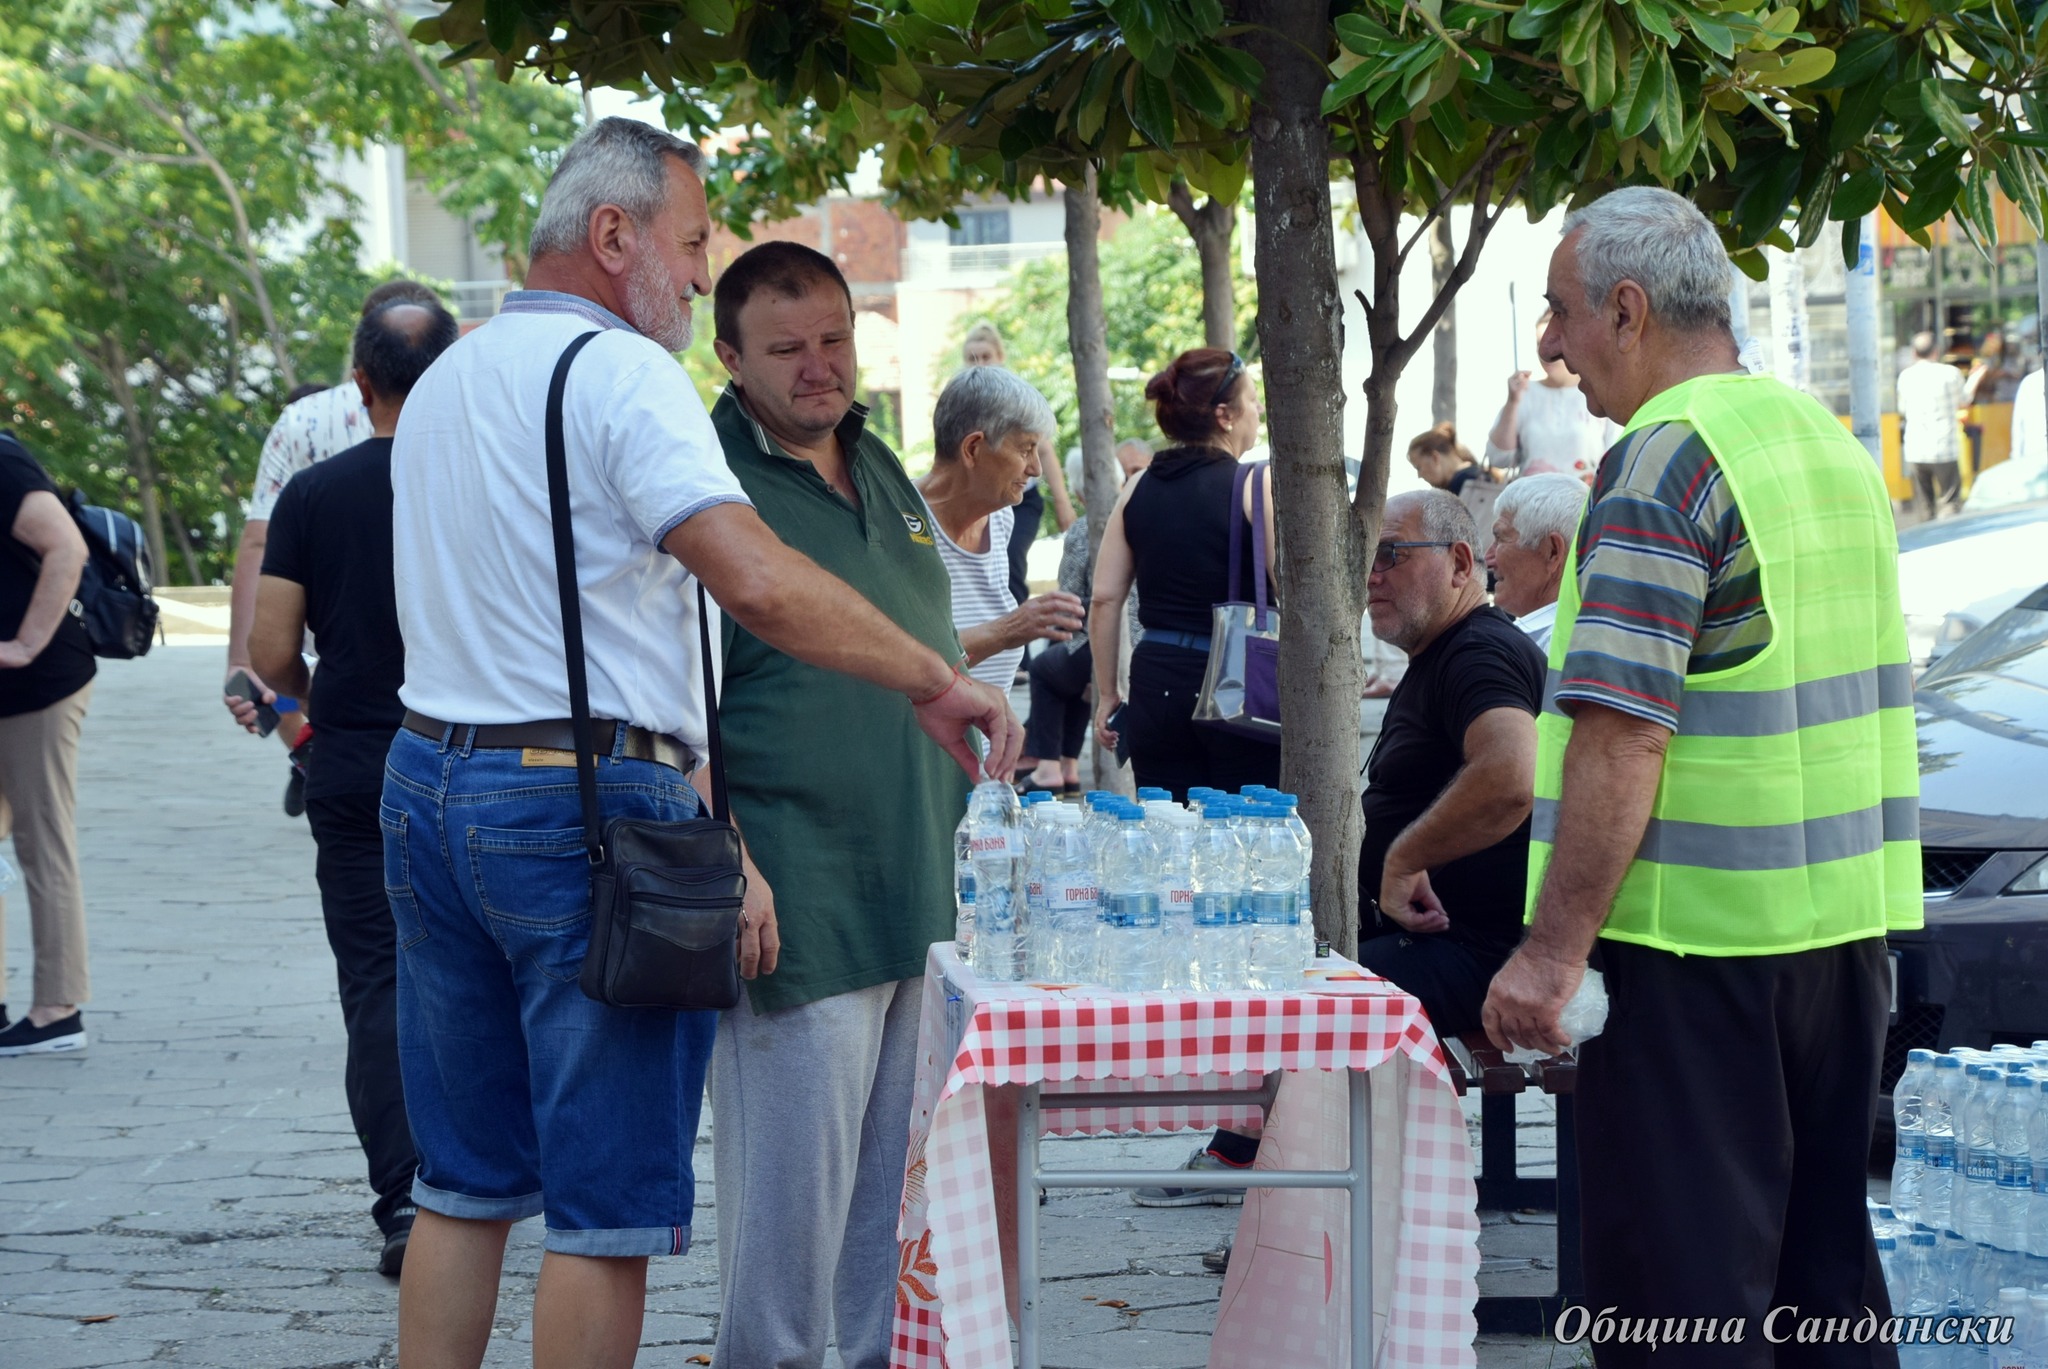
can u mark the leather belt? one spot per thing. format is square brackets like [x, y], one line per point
[1186, 641]
[559, 734]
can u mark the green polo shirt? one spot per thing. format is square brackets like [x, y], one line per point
[846, 806]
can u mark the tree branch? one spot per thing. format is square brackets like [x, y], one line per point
[1483, 222]
[99, 144]
[432, 78]
[1443, 204]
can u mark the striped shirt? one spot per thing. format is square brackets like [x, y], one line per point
[981, 590]
[1668, 582]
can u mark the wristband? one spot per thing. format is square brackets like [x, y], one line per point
[951, 680]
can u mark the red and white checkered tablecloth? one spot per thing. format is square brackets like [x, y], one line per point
[1285, 1300]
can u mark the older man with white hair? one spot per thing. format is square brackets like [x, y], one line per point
[1534, 520]
[1726, 810]
[525, 1096]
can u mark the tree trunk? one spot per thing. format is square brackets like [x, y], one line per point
[1211, 227]
[1443, 399]
[1301, 337]
[114, 363]
[1088, 344]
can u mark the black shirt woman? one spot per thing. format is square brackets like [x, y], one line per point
[1170, 536]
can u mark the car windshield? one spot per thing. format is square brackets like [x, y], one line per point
[2014, 644]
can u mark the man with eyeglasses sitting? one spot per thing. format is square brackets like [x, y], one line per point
[1449, 783]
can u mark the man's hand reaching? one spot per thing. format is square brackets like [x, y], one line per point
[1406, 897]
[968, 703]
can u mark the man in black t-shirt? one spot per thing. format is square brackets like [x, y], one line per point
[328, 566]
[46, 670]
[1442, 869]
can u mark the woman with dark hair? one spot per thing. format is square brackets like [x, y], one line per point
[1170, 536]
[1442, 461]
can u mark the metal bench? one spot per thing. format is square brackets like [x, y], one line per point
[1475, 1064]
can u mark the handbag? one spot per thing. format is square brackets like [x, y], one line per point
[1241, 688]
[665, 897]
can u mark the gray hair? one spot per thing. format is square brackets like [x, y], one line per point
[990, 400]
[1662, 242]
[1539, 505]
[1444, 517]
[1076, 472]
[616, 161]
[1924, 344]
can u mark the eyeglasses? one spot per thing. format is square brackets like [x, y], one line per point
[1387, 555]
[1230, 375]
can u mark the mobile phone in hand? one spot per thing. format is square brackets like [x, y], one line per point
[241, 686]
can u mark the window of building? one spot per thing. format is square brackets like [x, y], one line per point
[980, 228]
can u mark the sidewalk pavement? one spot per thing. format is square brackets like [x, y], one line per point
[189, 1191]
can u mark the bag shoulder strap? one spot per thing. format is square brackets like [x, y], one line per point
[1259, 553]
[1237, 479]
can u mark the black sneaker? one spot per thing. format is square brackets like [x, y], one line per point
[295, 787]
[3, 1015]
[392, 1262]
[24, 1038]
[1217, 1261]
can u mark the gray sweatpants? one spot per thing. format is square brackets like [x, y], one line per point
[810, 1129]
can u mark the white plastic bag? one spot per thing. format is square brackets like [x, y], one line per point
[1580, 1021]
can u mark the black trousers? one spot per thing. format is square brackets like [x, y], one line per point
[1030, 513]
[1724, 1122]
[1937, 487]
[350, 871]
[1450, 978]
[1167, 749]
[1058, 724]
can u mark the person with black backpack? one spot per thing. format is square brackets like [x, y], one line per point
[46, 674]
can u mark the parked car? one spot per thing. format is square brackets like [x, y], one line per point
[1978, 973]
[1956, 574]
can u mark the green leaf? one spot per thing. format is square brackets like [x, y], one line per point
[1364, 35]
[1715, 34]
[1717, 134]
[1933, 193]
[1858, 113]
[1761, 205]
[1852, 240]
[1656, 18]
[1500, 103]
[1935, 101]
[1449, 122]
[1802, 67]
[1753, 264]
[952, 14]
[1640, 94]
[1866, 54]
[1353, 83]
[1152, 111]
[1581, 32]
[501, 23]
[1239, 70]
[1670, 109]
[1198, 91]
[1858, 194]
[870, 43]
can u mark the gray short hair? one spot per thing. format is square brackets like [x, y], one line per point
[1539, 505]
[1444, 517]
[990, 400]
[1662, 242]
[615, 161]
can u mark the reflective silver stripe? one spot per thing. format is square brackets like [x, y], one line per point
[1775, 712]
[1783, 846]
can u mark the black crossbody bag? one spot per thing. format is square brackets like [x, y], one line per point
[665, 897]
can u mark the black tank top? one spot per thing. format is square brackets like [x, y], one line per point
[1178, 525]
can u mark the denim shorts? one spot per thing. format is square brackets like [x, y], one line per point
[525, 1096]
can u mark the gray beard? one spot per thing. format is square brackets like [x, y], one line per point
[657, 313]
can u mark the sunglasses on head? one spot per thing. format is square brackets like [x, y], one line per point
[1230, 375]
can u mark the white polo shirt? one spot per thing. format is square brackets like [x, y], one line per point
[473, 542]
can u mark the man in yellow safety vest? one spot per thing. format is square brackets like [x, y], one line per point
[1726, 814]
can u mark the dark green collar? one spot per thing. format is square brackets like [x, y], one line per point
[849, 432]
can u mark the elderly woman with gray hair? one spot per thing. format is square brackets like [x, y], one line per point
[988, 427]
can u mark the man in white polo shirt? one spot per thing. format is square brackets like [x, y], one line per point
[527, 1097]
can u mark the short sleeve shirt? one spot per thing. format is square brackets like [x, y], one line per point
[1930, 394]
[981, 589]
[845, 804]
[66, 665]
[308, 431]
[331, 534]
[1668, 582]
[1478, 664]
[478, 602]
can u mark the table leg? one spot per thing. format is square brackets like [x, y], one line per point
[1360, 1186]
[1027, 1228]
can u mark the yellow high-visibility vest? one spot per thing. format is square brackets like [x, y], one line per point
[1788, 814]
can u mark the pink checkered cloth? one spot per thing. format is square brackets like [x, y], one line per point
[1285, 1299]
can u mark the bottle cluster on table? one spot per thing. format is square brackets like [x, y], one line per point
[1140, 897]
[1966, 1233]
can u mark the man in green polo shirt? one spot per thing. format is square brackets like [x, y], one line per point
[848, 812]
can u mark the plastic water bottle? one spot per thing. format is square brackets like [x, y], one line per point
[2037, 1152]
[1222, 946]
[1925, 1295]
[2037, 1322]
[2012, 1304]
[1937, 1185]
[995, 849]
[1132, 937]
[1152, 793]
[1176, 834]
[1037, 949]
[1978, 1152]
[2014, 1182]
[1072, 903]
[1909, 1132]
[1288, 804]
[1282, 946]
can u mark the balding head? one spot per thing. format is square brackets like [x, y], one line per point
[394, 345]
[1424, 573]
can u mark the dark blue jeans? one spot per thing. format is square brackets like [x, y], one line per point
[525, 1096]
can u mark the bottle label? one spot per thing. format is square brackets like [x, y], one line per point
[1215, 910]
[2015, 1172]
[1130, 910]
[1177, 900]
[1912, 1145]
[2040, 1168]
[1941, 1152]
[1000, 844]
[1034, 892]
[1275, 910]
[1981, 1165]
[1071, 897]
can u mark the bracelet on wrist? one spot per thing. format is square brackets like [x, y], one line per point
[944, 689]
